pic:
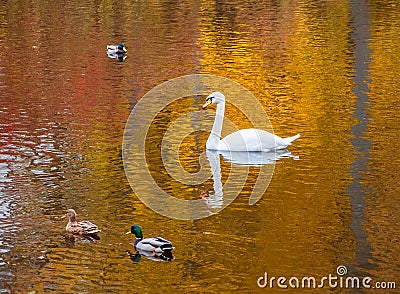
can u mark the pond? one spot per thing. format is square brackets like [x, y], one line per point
[328, 70]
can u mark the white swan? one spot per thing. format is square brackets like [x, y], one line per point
[242, 140]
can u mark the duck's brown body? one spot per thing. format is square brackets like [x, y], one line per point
[82, 227]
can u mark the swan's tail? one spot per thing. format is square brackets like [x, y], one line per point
[289, 140]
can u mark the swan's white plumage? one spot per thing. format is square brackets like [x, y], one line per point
[242, 140]
[252, 140]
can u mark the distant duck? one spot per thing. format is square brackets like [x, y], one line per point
[116, 49]
[151, 247]
[83, 228]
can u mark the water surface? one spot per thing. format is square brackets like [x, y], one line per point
[327, 70]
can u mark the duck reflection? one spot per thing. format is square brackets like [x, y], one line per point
[137, 256]
[119, 57]
[72, 240]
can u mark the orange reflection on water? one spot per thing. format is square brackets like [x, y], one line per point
[64, 106]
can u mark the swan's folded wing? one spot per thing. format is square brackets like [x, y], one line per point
[250, 140]
[242, 140]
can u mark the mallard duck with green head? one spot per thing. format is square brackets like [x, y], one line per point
[116, 49]
[155, 246]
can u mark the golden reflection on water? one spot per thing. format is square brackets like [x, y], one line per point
[64, 107]
[302, 224]
[382, 178]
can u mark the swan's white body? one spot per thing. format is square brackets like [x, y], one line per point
[242, 140]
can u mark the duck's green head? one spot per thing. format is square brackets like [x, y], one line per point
[122, 47]
[137, 231]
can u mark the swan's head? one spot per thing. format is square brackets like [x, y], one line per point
[214, 98]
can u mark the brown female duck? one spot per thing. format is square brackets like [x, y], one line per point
[80, 228]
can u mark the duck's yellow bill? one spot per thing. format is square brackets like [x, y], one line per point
[127, 233]
[208, 102]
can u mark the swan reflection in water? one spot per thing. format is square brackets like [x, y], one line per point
[264, 160]
[255, 158]
[245, 147]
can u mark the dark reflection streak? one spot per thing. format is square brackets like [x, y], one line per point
[360, 23]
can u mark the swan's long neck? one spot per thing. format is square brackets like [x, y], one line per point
[213, 140]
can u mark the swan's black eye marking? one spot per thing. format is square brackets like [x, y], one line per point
[209, 98]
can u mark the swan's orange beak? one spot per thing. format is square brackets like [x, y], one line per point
[208, 102]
